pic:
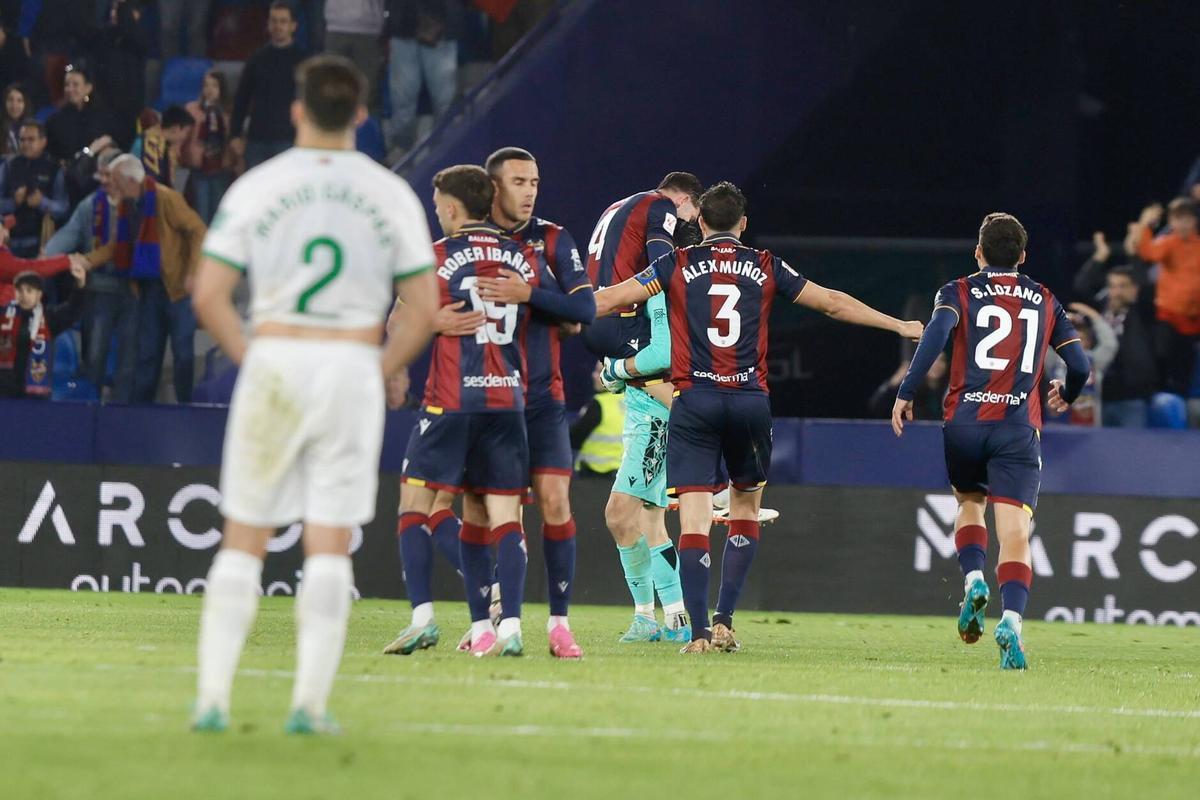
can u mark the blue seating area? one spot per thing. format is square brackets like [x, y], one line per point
[182, 79]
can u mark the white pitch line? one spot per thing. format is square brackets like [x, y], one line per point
[731, 694]
[569, 732]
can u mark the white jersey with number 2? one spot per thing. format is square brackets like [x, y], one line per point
[323, 235]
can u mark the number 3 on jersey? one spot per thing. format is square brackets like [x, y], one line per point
[727, 313]
[983, 356]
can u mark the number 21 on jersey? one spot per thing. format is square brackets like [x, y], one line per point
[1004, 328]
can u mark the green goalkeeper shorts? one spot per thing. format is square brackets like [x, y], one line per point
[643, 472]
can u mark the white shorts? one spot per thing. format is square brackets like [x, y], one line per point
[304, 434]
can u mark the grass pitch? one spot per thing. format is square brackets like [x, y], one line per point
[94, 690]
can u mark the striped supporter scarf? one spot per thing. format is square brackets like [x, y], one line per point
[140, 258]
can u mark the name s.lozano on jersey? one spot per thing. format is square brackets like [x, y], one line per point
[1007, 290]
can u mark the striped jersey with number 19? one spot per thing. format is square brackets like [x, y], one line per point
[485, 371]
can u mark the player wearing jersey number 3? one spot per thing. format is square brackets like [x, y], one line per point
[1000, 324]
[719, 296]
[324, 235]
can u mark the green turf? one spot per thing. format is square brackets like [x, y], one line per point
[94, 691]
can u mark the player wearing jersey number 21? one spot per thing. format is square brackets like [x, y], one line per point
[324, 235]
[1002, 322]
[719, 296]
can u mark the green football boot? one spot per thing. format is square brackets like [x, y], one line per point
[642, 629]
[970, 618]
[212, 721]
[412, 638]
[1012, 649]
[301, 723]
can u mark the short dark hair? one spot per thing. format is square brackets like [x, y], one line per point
[1002, 238]
[282, 5]
[684, 182]
[33, 123]
[470, 184]
[496, 160]
[177, 117]
[1125, 271]
[722, 206]
[1182, 206]
[30, 279]
[331, 89]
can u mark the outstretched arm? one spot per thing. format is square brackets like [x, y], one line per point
[933, 342]
[1078, 371]
[844, 308]
[625, 293]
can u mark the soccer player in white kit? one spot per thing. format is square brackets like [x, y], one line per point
[324, 235]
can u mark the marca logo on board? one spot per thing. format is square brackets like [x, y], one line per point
[1093, 554]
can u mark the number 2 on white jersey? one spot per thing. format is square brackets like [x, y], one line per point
[983, 350]
[496, 312]
[727, 312]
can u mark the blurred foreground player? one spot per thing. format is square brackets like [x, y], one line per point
[719, 297]
[1002, 323]
[324, 234]
[631, 234]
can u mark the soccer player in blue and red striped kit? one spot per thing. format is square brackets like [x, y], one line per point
[719, 297]
[999, 324]
[514, 172]
[471, 433]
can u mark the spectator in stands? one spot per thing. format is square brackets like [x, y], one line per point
[192, 16]
[14, 61]
[1132, 378]
[423, 50]
[78, 129]
[157, 244]
[930, 394]
[53, 33]
[27, 331]
[206, 151]
[266, 90]
[1099, 341]
[11, 266]
[161, 147]
[121, 64]
[111, 305]
[354, 29]
[33, 189]
[1178, 296]
[16, 111]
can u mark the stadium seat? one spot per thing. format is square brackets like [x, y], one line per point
[43, 113]
[369, 139]
[66, 355]
[182, 79]
[1167, 411]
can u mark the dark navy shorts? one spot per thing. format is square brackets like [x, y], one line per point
[617, 336]
[1001, 461]
[474, 452]
[549, 439]
[708, 427]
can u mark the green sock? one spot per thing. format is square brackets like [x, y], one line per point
[664, 568]
[635, 559]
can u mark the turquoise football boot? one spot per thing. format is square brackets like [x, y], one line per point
[301, 723]
[642, 629]
[212, 721]
[1012, 649]
[412, 639]
[970, 618]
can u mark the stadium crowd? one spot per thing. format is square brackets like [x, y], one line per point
[196, 91]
